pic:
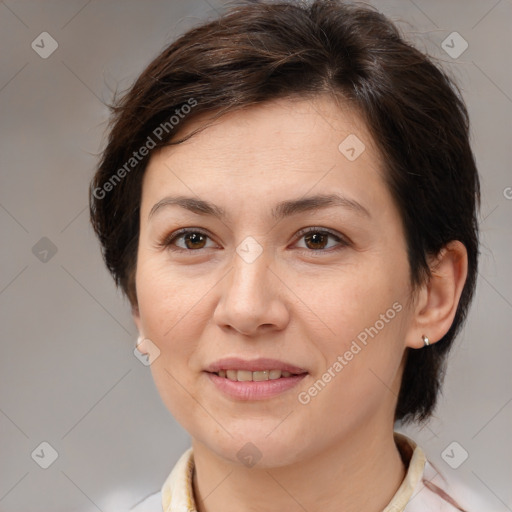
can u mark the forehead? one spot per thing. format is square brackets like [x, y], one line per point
[284, 147]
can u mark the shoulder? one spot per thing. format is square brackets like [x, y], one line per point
[437, 492]
[425, 487]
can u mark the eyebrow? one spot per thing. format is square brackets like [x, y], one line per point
[280, 211]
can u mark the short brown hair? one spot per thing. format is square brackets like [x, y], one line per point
[265, 51]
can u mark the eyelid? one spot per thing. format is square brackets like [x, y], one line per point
[171, 237]
[317, 229]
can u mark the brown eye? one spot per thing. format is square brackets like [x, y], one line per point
[316, 240]
[194, 240]
[186, 240]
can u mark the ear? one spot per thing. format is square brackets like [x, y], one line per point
[141, 340]
[437, 300]
[136, 317]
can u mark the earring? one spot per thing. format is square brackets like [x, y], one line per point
[426, 341]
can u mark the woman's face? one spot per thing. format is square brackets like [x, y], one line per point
[249, 284]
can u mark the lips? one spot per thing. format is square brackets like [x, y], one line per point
[234, 368]
[250, 390]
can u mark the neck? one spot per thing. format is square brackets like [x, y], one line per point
[360, 473]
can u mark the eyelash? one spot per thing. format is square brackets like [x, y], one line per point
[168, 241]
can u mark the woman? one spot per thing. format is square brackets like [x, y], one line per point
[288, 198]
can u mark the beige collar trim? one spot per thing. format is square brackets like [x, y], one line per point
[411, 452]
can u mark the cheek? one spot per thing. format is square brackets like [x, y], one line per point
[169, 308]
[358, 299]
[365, 315]
[166, 300]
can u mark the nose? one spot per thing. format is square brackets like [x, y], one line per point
[252, 298]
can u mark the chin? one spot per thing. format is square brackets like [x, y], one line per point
[257, 448]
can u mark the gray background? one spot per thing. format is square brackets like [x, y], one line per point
[68, 374]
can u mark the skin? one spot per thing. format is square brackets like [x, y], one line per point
[292, 303]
